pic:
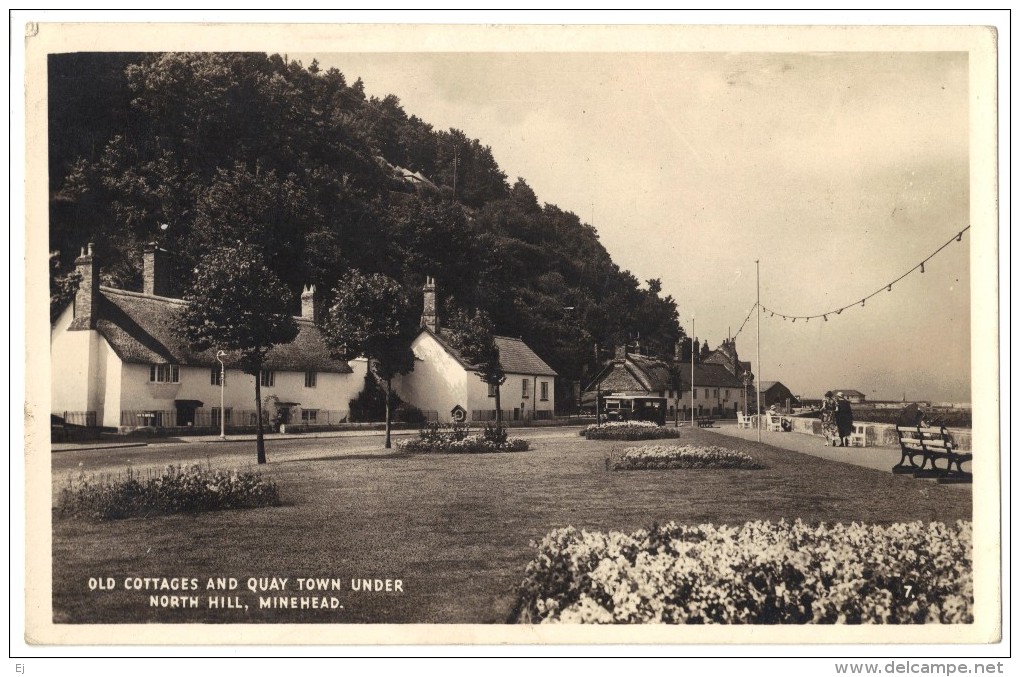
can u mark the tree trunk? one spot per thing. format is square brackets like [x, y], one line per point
[389, 389]
[260, 441]
[676, 414]
[499, 412]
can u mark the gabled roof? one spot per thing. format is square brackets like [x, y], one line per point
[139, 329]
[515, 356]
[849, 392]
[640, 373]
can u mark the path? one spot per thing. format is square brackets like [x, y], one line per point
[877, 458]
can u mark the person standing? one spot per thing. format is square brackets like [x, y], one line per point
[844, 420]
[829, 419]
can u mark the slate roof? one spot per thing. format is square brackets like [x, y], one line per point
[139, 328]
[515, 356]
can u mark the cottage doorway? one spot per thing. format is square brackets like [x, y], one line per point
[186, 412]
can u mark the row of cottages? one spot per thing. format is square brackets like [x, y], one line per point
[716, 391]
[116, 361]
[444, 382]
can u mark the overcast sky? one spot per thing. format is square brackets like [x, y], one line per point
[839, 171]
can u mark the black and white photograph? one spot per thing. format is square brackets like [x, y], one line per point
[512, 334]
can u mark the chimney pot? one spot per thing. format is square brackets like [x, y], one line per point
[429, 314]
[155, 271]
[308, 302]
[86, 299]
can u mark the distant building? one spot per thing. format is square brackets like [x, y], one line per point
[726, 355]
[774, 392]
[445, 383]
[853, 396]
[717, 392]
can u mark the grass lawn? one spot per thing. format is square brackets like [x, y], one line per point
[454, 528]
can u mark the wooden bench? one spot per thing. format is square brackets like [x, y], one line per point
[743, 421]
[705, 422]
[931, 445]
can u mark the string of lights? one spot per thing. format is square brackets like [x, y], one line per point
[887, 287]
[749, 313]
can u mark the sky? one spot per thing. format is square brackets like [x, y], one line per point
[838, 172]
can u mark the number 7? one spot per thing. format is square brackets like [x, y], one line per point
[909, 588]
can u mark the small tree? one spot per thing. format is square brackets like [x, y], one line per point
[369, 315]
[474, 337]
[236, 303]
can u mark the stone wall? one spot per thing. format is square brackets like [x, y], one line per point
[878, 434]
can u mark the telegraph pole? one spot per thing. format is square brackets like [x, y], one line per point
[692, 372]
[757, 380]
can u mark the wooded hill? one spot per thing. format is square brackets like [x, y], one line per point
[228, 147]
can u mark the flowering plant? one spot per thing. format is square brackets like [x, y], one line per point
[688, 456]
[760, 572]
[472, 444]
[172, 490]
[629, 430]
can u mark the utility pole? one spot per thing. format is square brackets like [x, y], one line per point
[455, 152]
[757, 380]
[598, 388]
[692, 372]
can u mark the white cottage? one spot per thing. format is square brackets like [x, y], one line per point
[117, 362]
[445, 383]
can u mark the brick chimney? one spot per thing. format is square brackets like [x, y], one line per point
[621, 353]
[678, 351]
[429, 316]
[155, 271]
[308, 302]
[86, 299]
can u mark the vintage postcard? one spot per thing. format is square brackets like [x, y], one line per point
[410, 334]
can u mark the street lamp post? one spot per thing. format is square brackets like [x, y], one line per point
[223, 383]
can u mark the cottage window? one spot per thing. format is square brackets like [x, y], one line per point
[164, 373]
[216, 415]
[716, 393]
[727, 391]
[267, 378]
[706, 393]
[309, 415]
[216, 376]
[525, 387]
[310, 379]
[543, 389]
[492, 390]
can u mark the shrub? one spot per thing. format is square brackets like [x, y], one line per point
[676, 457]
[629, 430]
[456, 439]
[408, 413]
[759, 572]
[175, 489]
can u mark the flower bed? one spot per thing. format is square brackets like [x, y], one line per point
[759, 572]
[174, 489]
[683, 457]
[456, 439]
[472, 444]
[629, 430]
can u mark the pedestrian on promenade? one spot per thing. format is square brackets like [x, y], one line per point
[844, 420]
[829, 419]
[911, 416]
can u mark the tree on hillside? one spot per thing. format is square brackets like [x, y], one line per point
[237, 304]
[474, 336]
[370, 316]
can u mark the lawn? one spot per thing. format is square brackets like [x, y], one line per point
[455, 529]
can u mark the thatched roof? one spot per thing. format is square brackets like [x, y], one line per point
[140, 329]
